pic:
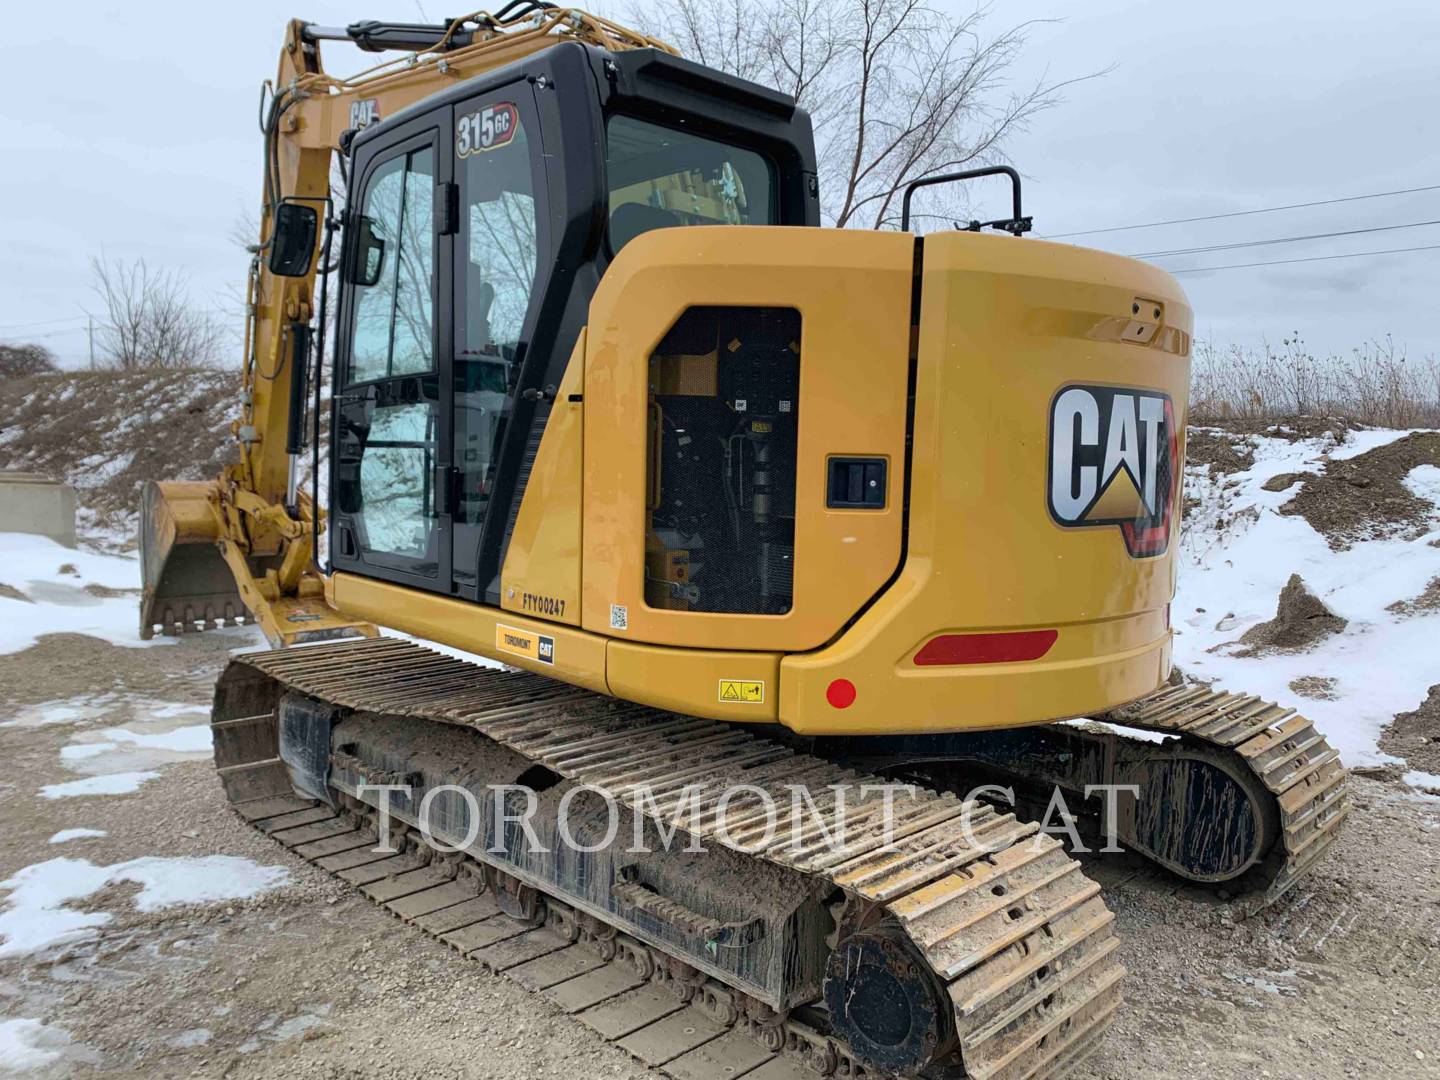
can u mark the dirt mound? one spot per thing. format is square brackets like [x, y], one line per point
[1301, 620]
[1426, 602]
[1224, 446]
[1294, 428]
[1314, 687]
[1364, 497]
[108, 432]
[1284, 481]
[1218, 450]
[1415, 736]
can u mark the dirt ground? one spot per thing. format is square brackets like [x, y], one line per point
[108, 432]
[1364, 496]
[1415, 735]
[311, 980]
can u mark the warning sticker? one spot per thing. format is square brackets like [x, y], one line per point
[523, 643]
[742, 691]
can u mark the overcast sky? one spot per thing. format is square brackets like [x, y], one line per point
[129, 130]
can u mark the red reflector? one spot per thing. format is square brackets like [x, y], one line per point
[987, 648]
[840, 693]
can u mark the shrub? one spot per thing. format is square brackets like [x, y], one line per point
[17, 361]
[1376, 384]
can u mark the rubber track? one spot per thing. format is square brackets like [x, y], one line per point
[1019, 937]
[1290, 758]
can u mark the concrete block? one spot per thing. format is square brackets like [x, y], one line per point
[31, 503]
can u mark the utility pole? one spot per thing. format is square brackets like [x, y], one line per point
[90, 331]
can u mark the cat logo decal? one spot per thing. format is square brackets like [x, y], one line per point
[1114, 461]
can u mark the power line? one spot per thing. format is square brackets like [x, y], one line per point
[42, 322]
[1245, 213]
[51, 333]
[18, 330]
[1312, 258]
[1279, 240]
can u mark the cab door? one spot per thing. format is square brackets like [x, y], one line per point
[392, 439]
[501, 230]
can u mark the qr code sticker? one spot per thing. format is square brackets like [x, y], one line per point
[619, 617]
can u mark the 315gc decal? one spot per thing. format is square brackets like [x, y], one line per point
[1114, 461]
[486, 129]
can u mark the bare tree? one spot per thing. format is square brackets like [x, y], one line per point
[897, 90]
[147, 319]
[17, 361]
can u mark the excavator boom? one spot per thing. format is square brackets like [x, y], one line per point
[242, 547]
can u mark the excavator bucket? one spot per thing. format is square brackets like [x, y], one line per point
[188, 586]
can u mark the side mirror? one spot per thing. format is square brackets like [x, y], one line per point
[367, 256]
[292, 244]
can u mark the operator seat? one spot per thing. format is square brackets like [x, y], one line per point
[631, 219]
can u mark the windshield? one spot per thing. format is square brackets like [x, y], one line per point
[662, 177]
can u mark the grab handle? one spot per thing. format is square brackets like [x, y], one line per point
[1017, 224]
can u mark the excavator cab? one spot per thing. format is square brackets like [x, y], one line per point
[481, 223]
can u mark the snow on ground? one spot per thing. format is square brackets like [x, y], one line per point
[1237, 553]
[71, 711]
[64, 836]
[447, 650]
[29, 1044]
[84, 751]
[157, 746]
[191, 739]
[1121, 729]
[154, 733]
[37, 916]
[1423, 780]
[124, 749]
[270, 1031]
[54, 580]
[106, 784]
[1361, 441]
[1424, 483]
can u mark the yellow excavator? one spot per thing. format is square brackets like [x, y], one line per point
[757, 507]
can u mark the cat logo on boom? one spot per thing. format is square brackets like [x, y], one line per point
[1114, 453]
[365, 112]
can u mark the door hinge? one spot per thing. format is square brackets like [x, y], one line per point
[447, 208]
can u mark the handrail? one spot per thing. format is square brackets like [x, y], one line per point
[1016, 225]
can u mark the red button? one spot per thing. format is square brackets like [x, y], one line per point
[841, 693]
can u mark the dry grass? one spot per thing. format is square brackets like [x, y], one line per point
[1375, 385]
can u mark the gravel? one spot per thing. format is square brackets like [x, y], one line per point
[310, 980]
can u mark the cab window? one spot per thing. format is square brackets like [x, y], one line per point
[661, 177]
[388, 415]
[394, 317]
